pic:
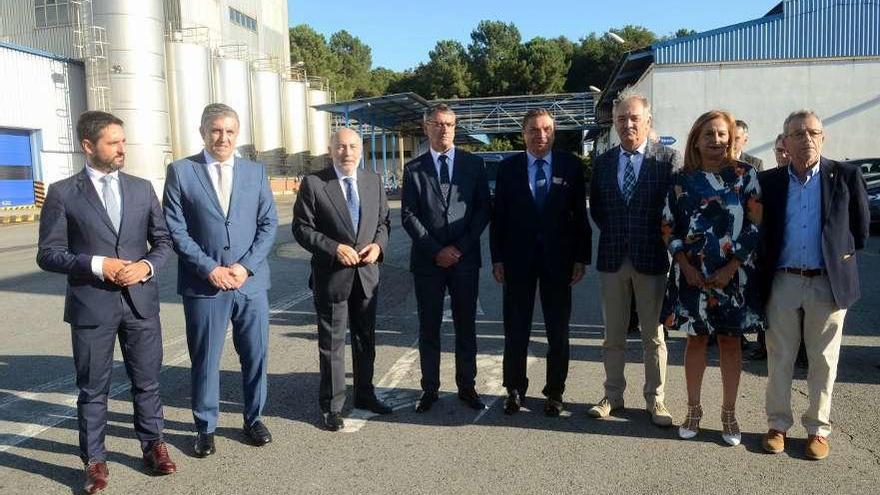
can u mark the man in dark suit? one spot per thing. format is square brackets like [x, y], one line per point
[445, 208]
[104, 230]
[627, 196]
[815, 219]
[341, 217]
[222, 218]
[741, 138]
[539, 236]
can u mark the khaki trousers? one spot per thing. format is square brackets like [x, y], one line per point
[617, 291]
[802, 302]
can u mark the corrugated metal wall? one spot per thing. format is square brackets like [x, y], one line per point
[17, 25]
[806, 29]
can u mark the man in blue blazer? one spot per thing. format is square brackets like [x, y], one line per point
[627, 196]
[445, 208]
[341, 217]
[816, 217]
[222, 218]
[104, 229]
[540, 238]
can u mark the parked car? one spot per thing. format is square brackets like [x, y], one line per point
[873, 182]
[868, 165]
[492, 159]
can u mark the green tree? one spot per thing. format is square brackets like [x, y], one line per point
[594, 59]
[545, 66]
[355, 59]
[310, 48]
[494, 58]
[379, 80]
[446, 74]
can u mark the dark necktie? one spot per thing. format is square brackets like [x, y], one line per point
[541, 184]
[444, 177]
[352, 202]
[629, 178]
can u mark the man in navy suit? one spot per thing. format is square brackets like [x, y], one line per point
[540, 238]
[445, 209]
[815, 219]
[627, 195]
[341, 217]
[104, 229]
[222, 218]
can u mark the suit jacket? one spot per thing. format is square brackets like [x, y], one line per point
[632, 230]
[321, 223]
[752, 160]
[561, 229]
[845, 222]
[205, 238]
[74, 226]
[434, 223]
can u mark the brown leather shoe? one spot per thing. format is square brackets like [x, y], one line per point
[157, 460]
[97, 477]
[817, 447]
[774, 442]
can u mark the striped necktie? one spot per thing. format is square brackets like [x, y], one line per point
[629, 178]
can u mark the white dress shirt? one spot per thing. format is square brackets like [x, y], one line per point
[211, 163]
[450, 153]
[340, 175]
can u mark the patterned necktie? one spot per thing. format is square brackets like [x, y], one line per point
[444, 177]
[352, 202]
[111, 204]
[225, 192]
[540, 184]
[629, 178]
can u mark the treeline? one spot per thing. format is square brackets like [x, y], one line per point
[496, 63]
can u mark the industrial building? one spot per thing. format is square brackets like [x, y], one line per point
[155, 64]
[818, 54]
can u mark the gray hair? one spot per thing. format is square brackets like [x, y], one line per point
[334, 138]
[434, 109]
[629, 93]
[213, 111]
[798, 114]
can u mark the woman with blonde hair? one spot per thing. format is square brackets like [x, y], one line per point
[710, 225]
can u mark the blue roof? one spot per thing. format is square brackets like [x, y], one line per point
[800, 29]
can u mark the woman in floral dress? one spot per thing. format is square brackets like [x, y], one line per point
[710, 225]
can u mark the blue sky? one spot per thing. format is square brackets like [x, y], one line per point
[401, 33]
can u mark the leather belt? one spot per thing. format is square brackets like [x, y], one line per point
[809, 273]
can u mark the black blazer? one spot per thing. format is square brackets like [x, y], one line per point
[845, 222]
[74, 226]
[433, 223]
[321, 222]
[632, 230]
[562, 226]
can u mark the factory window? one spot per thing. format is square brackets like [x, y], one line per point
[51, 13]
[242, 20]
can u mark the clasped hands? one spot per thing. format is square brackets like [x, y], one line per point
[124, 273]
[347, 255]
[228, 278]
[717, 280]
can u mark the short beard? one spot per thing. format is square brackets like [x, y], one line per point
[106, 167]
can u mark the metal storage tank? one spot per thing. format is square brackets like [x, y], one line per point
[295, 123]
[267, 110]
[232, 86]
[138, 91]
[319, 123]
[189, 90]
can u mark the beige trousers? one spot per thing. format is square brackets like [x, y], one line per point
[800, 302]
[617, 291]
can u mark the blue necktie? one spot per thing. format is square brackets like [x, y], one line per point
[541, 185]
[629, 178]
[352, 202]
[444, 177]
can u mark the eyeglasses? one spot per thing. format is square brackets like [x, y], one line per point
[779, 150]
[802, 133]
[440, 125]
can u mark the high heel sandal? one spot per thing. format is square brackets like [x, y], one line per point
[730, 428]
[691, 425]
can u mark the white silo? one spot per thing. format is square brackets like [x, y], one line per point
[295, 123]
[319, 123]
[232, 87]
[189, 91]
[266, 96]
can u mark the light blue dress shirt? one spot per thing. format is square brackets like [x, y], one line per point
[638, 156]
[802, 241]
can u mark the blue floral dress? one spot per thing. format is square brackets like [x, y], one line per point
[713, 217]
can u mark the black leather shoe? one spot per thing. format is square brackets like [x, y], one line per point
[552, 407]
[426, 401]
[372, 404]
[472, 400]
[204, 445]
[258, 433]
[513, 402]
[332, 421]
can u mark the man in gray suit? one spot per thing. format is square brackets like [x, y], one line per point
[96, 227]
[222, 218]
[445, 208]
[741, 138]
[341, 217]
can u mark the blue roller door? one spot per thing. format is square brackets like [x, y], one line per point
[16, 168]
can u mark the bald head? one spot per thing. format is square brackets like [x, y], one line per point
[345, 150]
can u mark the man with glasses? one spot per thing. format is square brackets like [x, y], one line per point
[444, 209]
[815, 218]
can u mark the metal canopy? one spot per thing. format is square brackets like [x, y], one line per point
[400, 112]
[628, 70]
